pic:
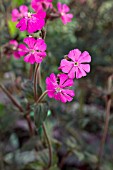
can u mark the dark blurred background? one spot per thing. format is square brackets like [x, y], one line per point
[75, 128]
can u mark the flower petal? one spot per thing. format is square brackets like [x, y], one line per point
[71, 74]
[53, 78]
[23, 9]
[30, 41]
[74, 54]
[65, 8]
[65, 65]
[62, 98]
[85, 67]
[22, 25]
[84, 57]
[22, 49]
[40, 45]
[68, 83]
[69, 92]
[38, 59]
[59, 6]
[80, 73]
[15, 15]
[63, 78]
[29, 58]
[68, 98]
[66, 18]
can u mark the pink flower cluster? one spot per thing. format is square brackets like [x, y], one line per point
[32, 22]
[75, 65]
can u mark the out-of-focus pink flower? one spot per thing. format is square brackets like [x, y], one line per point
[41, 4]
[32, 22]
[58, 87]
[35, 50]
[63, 10]
[15, 50]
[77, 62]
[18, 14]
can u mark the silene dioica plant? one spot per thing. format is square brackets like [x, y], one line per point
[74, 65]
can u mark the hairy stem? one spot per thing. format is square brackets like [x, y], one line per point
[30, 72]
[41, 97]
[35, 81]
[49, 147]
[39, 75]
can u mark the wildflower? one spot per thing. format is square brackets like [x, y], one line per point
[58, 87]
[35, 50]
[14, 46]
[76, 63]
[41, 4]
[63, 10]
[32, 22]
[18, 14]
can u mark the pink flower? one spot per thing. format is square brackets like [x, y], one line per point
[35, 50]
[14, 45]
[63, 10]
[32, 22]
[58, 87]
[41, 4]
[76, 63]
[18, 14]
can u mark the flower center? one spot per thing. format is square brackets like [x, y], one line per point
[76, 64]
[62, 13]
[14, 48]
[58, 89]
[32, 51]
[29, 14]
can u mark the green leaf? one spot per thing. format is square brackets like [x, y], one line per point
[40, 115]
[16, 3]
[12, 28]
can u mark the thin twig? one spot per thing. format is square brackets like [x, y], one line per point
[108, 106]
[49, 147]
[12, 98]
[100, 154]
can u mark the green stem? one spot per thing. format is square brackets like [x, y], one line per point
[49, 147]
